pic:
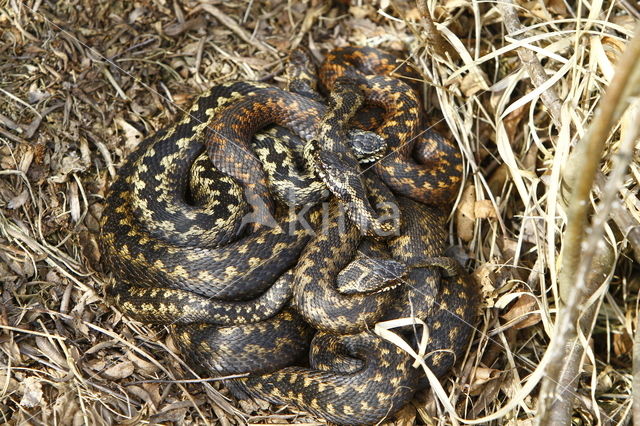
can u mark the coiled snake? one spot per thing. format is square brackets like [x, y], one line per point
[208, 250]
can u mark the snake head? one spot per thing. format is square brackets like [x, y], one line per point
[368, 146]
[341, 173]
[371, 275]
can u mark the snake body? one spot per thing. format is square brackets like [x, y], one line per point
[383, 381]
[221, 263]
[315, 275]
[432, 165]
[378, 372]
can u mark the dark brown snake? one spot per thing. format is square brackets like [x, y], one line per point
[186, 257]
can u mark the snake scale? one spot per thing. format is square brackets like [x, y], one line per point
[250, 227]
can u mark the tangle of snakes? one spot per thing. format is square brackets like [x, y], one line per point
[272, 229]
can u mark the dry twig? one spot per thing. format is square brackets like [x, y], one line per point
[529, 60]
[432, 35]
[577, 259]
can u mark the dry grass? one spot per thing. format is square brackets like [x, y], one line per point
[81, 83]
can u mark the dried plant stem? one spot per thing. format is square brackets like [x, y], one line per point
[576, 260]
[630, 8]
[532, 65]
[433, 36]
[630, 228]
[562, 409]
[622, 217]
[237, 29]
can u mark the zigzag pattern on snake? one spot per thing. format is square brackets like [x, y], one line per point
[173, 234]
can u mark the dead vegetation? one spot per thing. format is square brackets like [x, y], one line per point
[517, 85]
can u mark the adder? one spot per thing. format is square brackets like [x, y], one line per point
[202, 266]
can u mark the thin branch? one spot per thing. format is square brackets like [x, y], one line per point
[530, 61]
[633, 10]
[622, 217]
[562, 409]
[596, 275]
[230, 23]
[433, 37]
[576, 260]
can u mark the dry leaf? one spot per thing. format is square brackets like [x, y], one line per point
[72, 163]
[74, 202]
[512, 121]
[613, 48]
[521, 311]
[141, 364]
[406, 416]
[96, 364]
[9, 383]
[89, 247]
[473, 83]
[483, 209]
[132, 136]
[19, 200]
[142, 394]
[252, 405]
[135, 14]
[486, 277]
[627, 21]
[556, 6]
[537, 9]
[50, 351]
[465, 214]
[153, 389]
[177, 28]
[482, 376]
[64, 407]
[360, 12]
[31, 392]
[119, 371]
[7, 161]
[622, 343]
[26, 161]
[34, 95]
[454, 4]
[498, 179]
[509, 247]
[605, 382]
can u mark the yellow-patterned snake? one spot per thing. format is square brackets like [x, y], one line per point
[249, 225]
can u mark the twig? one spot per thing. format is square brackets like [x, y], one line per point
[600, 274]
[622, 217]
[310, 18]
[633, 10]
[630, 227]
[529, 61]
[237, 29]
[576, 262]
[13, 137]
[433, 36]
